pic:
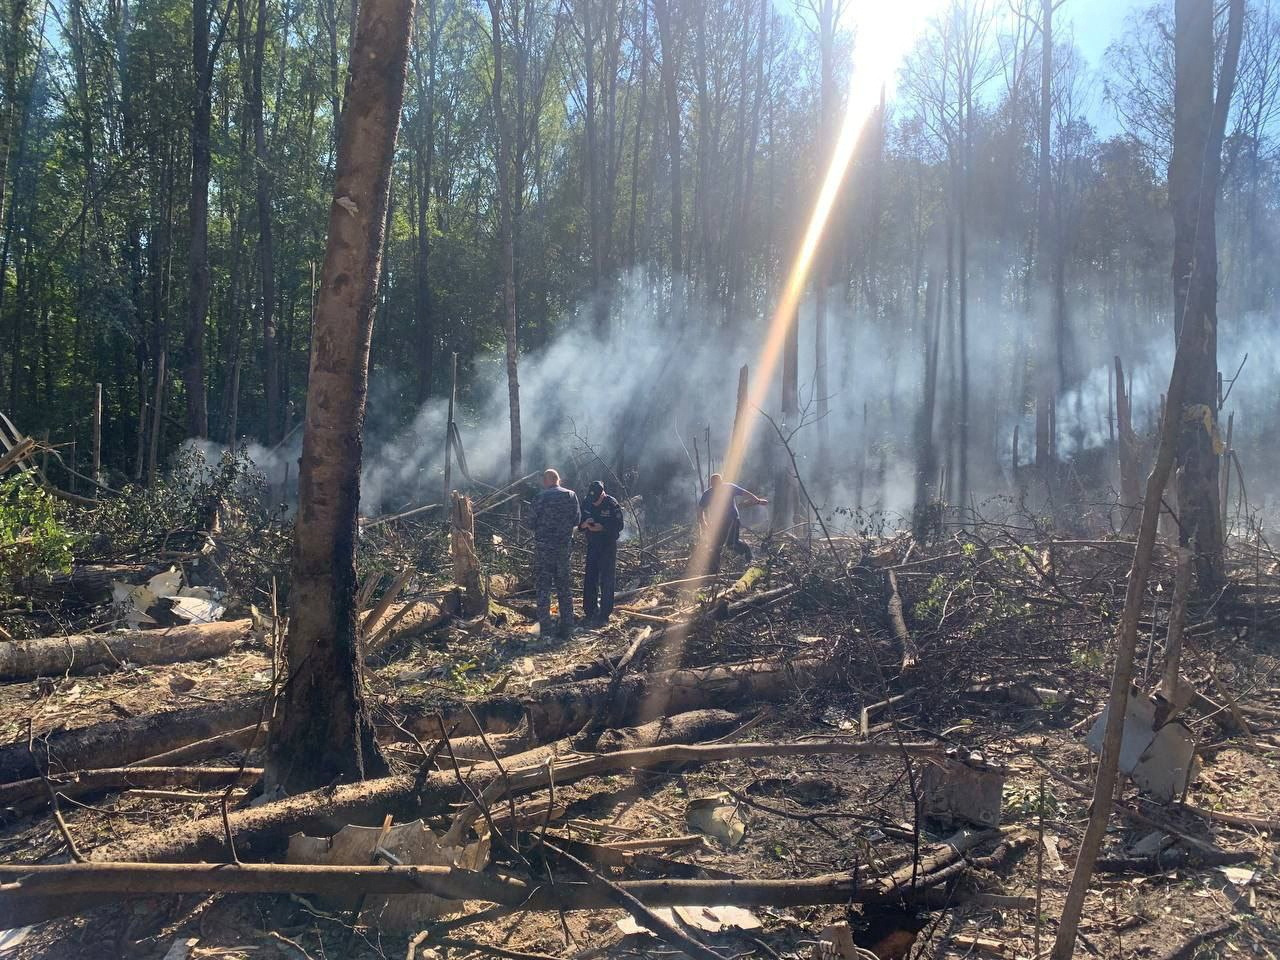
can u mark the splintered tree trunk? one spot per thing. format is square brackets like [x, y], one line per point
[466, 564]
[323, 731]
[1194, 173]
[506, 230]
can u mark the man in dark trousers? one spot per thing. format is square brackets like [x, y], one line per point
[602, 523]
[719, 520]
[553, 517]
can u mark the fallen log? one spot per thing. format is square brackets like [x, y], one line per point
[35, 893]
[261, 832]
[50, 656]
[694, 726]
[32, 794]
[402, 621]
[120, 742]
[561, 711]
[736, 591]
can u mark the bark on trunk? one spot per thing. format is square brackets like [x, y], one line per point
[323, 731]
[24, 659]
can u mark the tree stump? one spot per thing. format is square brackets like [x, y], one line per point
[466, 563]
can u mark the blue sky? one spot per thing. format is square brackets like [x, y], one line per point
[1096, 23]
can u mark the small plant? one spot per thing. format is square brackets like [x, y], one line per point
[33, 539]
[1024, 801]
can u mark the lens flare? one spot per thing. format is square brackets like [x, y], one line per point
[883, 40]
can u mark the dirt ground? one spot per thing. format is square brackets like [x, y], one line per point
[803, 817]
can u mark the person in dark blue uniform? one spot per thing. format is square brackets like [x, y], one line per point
[719, 520]
[601, 523]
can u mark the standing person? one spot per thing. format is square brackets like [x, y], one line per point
[719, 520]
[602, 522]
[553, 518]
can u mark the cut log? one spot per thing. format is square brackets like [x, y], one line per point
[51, 656]
[121, 742]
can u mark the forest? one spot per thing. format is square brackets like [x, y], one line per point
[614, 478]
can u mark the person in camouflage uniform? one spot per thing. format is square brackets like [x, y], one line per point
[553, 518]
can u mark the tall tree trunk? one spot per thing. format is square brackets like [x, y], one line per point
[16, 39]
[824, 258]
[671, 94]
[324, 731]
[591, 34]
[266, 246]
[1046, 370]
[203, 60]
[506, 238]
[1194, 173]
[426, 148]
[925, 443]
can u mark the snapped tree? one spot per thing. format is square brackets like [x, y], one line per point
[323, 731]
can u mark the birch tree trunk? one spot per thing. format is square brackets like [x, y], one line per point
[324, 731]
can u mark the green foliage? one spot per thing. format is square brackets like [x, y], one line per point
[254, 536]
[33, 537]
[1024, 801]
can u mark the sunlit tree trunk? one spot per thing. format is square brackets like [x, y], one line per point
[324, 732]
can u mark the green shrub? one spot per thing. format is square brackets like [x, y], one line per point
[33, 538]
